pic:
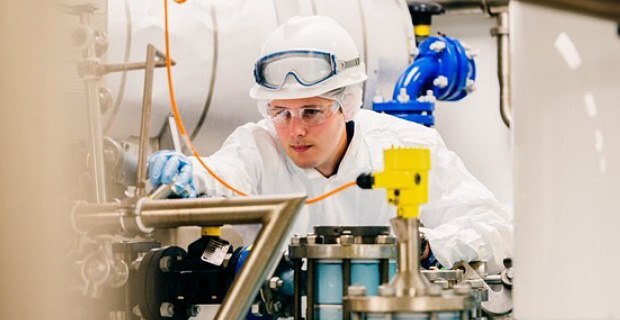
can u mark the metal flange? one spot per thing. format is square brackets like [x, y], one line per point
[337, 251]
[408, 304]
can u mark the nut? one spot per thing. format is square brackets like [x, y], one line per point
[385, 239]
[275, 283]
[166, 310]
[386, 291]
[311, 238]
[347, 239]
[296, 239]
[165, 263]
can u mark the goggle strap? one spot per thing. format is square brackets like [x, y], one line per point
[352, 63]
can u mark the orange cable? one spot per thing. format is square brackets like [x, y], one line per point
[188, 141]
[321, 197]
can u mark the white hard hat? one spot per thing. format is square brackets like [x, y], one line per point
[294, 53]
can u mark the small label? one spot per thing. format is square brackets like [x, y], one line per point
[216, 251]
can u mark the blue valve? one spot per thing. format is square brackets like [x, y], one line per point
[443, 70]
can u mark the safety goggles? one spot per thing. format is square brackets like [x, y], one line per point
[309, 115]
[308, 67]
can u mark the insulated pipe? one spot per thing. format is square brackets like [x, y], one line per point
[277, 215]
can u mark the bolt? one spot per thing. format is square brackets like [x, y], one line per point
[357, 291]
[438, 46]
[275, 283]
[193, 310]
[347, 239]
[403, 96]
[441, 82]
[311, 238]
[277, 306]
[165, 263]
[385, 239]
[429, 97]
[470, 86]
[509, 274]
[255, 310]
[385, 291]
[166, 310]
[296, 239]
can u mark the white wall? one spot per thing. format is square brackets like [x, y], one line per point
[473, 127]
[567, 155]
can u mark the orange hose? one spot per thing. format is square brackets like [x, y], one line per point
[188, 141]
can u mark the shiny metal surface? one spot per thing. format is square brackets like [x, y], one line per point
[402, 304]
[94, 117]
[276, 214]
[501, 31]
[449, 275]
[145, 123]
[408, 281]
[335, 251]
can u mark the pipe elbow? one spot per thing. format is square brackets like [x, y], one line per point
[417, 78]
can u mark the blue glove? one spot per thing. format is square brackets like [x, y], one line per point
[168, 166]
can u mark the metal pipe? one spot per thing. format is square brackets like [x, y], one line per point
[276, 213]
[145, 124]
[109, 68]
[408, 281]
[265, 254]
[499, 10]
[503, 65]
[94, 118]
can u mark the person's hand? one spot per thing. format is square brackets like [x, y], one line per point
[166, 167]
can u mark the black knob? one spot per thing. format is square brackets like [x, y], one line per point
[365, 181]
[421, 12]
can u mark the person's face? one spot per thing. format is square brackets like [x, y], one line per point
[311, 131]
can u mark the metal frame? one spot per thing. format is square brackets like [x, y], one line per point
[276, 213]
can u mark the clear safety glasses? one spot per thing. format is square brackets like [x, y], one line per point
[308, 115]
[308, 67]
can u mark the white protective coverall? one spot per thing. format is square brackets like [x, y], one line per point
[463, 220]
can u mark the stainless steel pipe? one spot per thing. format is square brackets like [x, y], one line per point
[503, 66]
[145, 124]
[94, 117]
[276, 213]
[408, 281]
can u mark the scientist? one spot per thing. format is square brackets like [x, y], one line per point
[315, 138]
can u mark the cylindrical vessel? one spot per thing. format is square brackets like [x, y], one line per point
[339, 257]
